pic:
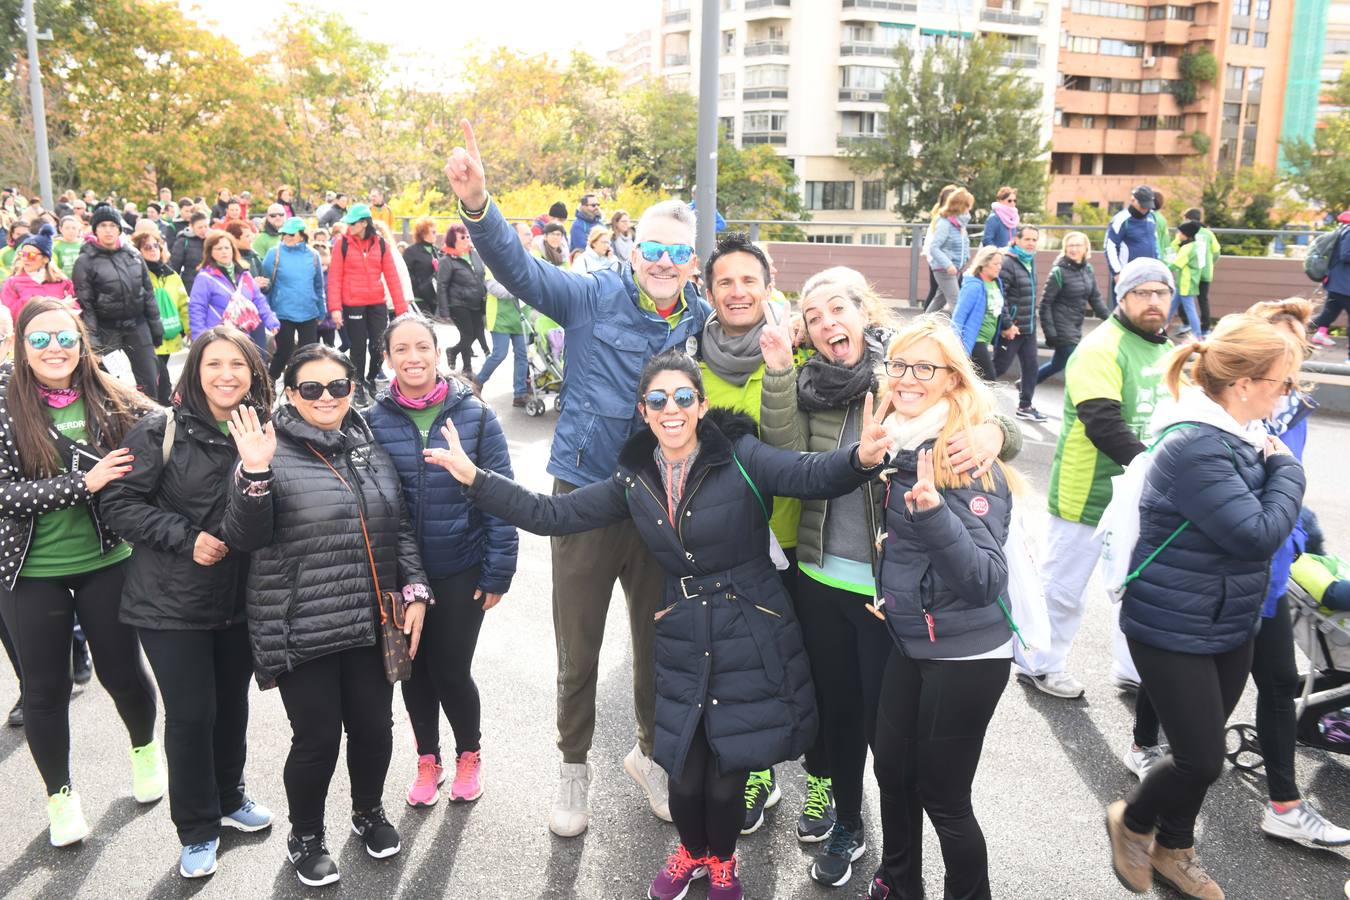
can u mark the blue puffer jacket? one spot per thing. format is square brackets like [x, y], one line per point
[949, 244]
[1203, 593]
[609, 338]
[297, 292]
[1338, 268]
[729, 650]
[972, 304]
[1289, 424]
[452, 534]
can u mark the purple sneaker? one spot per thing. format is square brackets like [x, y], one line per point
[723, 882]
[672, 882]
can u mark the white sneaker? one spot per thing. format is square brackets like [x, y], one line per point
[572, 807]
[1322, 339]
[651, 778]
[1056, 684]
[1303, 823]
[1140, 760]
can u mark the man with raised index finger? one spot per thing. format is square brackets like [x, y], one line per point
[613, 321]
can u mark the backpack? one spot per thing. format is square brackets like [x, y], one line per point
[384, 248]
[1318, 261]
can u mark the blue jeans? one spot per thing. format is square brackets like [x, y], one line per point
[1056, 363]
[1189, 310]
[500, 344]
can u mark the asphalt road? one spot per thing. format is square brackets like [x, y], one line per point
[1049, 768]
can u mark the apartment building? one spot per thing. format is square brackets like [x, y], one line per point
[1335, 50]
[1117, 120]
[807, 76]
[635, 58]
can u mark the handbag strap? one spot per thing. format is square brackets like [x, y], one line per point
[370, 554]
[746, 475]
[1179, 529]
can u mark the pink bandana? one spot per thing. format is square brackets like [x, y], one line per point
[59, 398]
[434, 396]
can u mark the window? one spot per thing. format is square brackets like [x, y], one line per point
[865, 123]
[1106, 8]
[891, 35]
[1249, 148]
[726, 86]
[829, 195]
[727, 124]
[829, 238]
[874, 197]
[758, 122]
[1237, 36]
[1064, 211]
[1059, 116]
[1242, 8]
[874, 238]
[1260, 39]
[1256, 77]
[728, 43]
[1251, 114]
[1103, 46]
[868, 78]
[1232, 78]
[1160, 123]
[1227, 150]
[1232, 112]
[766, 76]
[1263, 10]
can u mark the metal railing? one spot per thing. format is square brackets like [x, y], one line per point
[885, 5]
[752, 5]
[1011, 18]
[672, 60]
[766, 48]
[865, 48]
[676, 17]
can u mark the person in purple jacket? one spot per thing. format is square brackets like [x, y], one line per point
[221, 276]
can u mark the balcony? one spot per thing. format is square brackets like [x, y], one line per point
[855, 138]
[866, 48]
[861, 95]
[763, 137]
[1010, 18]
[1022, 59]
[766, 48]
[676, 17]
[755, 8]
[882, 5]
[675, 60]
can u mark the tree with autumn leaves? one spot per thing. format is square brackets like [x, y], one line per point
[141, 95]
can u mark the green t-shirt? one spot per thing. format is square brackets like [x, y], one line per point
[1112, 363]
[64, 254]
[424, 419]
[993, 296]
[64, 540]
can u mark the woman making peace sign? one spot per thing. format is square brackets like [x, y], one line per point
[733, 689]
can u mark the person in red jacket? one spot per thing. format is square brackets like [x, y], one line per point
[361, 258]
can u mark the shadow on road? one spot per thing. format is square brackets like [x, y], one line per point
[66, 868]
[1087, 750]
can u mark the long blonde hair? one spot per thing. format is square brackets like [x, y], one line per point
[971, 401]
[1241, 346]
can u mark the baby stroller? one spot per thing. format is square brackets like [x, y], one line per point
[1324, 637]
[544, 340]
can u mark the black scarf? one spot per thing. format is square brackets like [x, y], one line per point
[822, 384]
[158, 269]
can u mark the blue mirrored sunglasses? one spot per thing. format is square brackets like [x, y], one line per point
[652, 250]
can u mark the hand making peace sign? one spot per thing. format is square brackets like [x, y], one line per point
[465, 171]
[453, 458]
[874, 442]
[924, 495]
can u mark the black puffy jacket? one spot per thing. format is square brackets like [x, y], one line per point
[310, 590]
[1070, 290]
[114, 290]
[1203, 592]
[421, 260]
[947, 564]
[186, 257]
[461, 282]
[1019, 294]
[161, 509]
[728, 647]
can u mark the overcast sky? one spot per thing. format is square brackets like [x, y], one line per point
[430, 33]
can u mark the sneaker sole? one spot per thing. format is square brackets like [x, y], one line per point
[465, 798]
[774, 796]
[197, 874]
[424, 804]
[1110, 842]
[227, 822]
[320, 882]
[1040, 686]
[568, 832]
[1296, 838]
[808, 837]
[68, 841]
[848, 872]
[383, 854]
[144, 801]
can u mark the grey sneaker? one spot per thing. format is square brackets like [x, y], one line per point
[571, 808]
[1305, 824]
[1056, 684]
[1140, 759]
[651, 778]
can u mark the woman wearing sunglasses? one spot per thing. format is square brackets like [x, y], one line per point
[35, 275]
[172, 297]
[819, 407]
[1221, 497]
[317, 503]
[60, 418]
[170, 506]
[733, 686]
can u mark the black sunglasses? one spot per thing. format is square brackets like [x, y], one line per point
[313, 390]
[684, 398]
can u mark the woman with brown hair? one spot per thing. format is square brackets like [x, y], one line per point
[462, 294]
[60, 419]
[223, 276]
[948, 247]
[423, 261]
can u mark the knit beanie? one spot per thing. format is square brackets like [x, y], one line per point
[1141, 270]
[558, 210]
[42, 240]
[104, 213]
[1189, 228]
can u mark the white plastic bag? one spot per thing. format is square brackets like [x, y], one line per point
[119, 367]
[1026, 598]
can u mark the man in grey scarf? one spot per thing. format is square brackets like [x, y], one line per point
[739, 282]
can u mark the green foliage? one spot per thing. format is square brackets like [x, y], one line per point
[1184, 91]
[955, 115]
[1200, 67]
[1319, 169]
[1200, 141]
[1245, 199]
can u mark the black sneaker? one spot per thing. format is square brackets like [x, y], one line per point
[761, 792]
[834, 865]
[80, 668]
[380, 838]
[1032, 413]
[15, 719]
[817, 818]
[309, 854]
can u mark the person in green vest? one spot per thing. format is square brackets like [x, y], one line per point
[1160, 221]
[17, 232]
[67, 248]
[1207, 251]
[1186, 267]
[503, 322]
[739, 282]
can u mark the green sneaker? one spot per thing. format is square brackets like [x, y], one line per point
[67, 819]
[149, 778]
[817, 818]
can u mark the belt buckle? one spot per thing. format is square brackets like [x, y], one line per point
[684, 588]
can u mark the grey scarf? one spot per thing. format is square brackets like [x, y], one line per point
[733, 359]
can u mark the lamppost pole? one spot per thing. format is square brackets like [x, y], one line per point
[39, 107]
[705, 194]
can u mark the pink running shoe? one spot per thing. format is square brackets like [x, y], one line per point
[723, 882]
[672, 882]
[425, 789]
[467, 785]
[1322, 339]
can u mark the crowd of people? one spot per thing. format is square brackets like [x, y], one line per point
[808, 508]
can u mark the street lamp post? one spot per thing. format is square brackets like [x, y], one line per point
[705, 194]
[39, 107]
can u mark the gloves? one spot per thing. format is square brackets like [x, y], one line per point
[1051, 341]
[156, 334]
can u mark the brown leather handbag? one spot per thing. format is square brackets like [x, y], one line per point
[389, 605]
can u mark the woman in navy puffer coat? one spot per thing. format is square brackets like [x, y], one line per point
[470, 556]
[733, 686]
[1220, 499]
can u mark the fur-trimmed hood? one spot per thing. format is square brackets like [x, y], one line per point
[718, 430]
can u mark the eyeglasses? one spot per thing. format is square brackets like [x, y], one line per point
[1287, 385]
[151, 245]
[684, 398]
[29, 253]
[653, 250]
[896, 368]
[1146, 294]
[313, 390]
[276, 215]
[40, 340]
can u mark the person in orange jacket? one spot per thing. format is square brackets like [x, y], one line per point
[360, 259]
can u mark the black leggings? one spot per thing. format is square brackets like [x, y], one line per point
[983, 360]
[817, 759]
[1023, 349]
[847, 647]
[164, 387]
[365, 328]
[1332, 309]
[1275, 672]
[40, 613]
[708, 807]
[1194, 695]
[1202, 302]
[10, 650]
[203, 677]
[930, 732]
[290, 337]
[442, 667]
[468, 324]
[322, 697]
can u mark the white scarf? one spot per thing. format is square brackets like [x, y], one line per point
[1196, 406]
[912, 433]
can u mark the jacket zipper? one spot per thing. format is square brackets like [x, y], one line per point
[684, 505]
